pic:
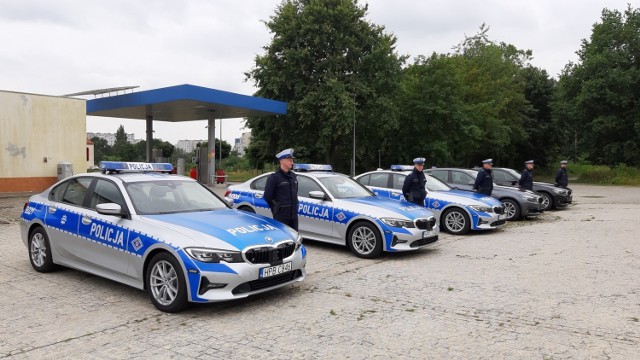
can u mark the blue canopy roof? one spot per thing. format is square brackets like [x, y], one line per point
[183, 103]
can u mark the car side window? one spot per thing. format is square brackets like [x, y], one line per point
[76, 191]
[57, 192]
[379, 180]
[440, 175]
[106, 192]
[460, 178]
[364, 180]
[306, 185]
[500, 176]
[259, 184]
[398, 181]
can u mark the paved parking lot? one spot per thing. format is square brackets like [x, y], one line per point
[564, 285]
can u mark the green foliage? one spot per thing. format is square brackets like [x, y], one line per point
[226, 148]
[332, 67]
[599, 95]
[101, 149]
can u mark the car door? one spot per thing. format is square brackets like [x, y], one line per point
[106, 237]
[314, 215]
[503, 178]
[63, 215]
[258, 201]
[462, 180]
[379, 184]
[442, 175]
[397, 181]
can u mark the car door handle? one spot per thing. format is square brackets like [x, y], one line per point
[52, 209]
[86, 220]
[258, 196]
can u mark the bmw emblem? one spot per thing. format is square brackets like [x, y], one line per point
[268, 239]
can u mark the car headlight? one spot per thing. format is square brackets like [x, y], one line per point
[561, 191]
[479, 208]
[298, 242]
[214, 255]
[530, 198]
[400, 223]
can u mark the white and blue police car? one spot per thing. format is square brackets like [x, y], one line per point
[335, 208]
[457, 211]
[167, 234]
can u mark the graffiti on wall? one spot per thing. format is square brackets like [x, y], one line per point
[14, 150]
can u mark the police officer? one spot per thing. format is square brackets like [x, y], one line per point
[526, 178]
[562, 178]
[484, 179]
[413, 188]
[281, 191]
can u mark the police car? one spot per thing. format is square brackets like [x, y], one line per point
[164, 233]
[457, 211]
[335, 208]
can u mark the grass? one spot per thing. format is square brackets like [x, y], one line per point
[596, 174]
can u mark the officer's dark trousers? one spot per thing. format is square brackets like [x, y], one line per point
[292, 222]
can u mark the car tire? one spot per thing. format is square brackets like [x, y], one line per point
[511, 209]
[166, 284]
[40, 251]
[247, 209]
[547, 201]
[364, 240]
[456, 221]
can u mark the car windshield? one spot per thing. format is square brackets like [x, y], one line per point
[434, 184]
[175, 196]
[343, 187]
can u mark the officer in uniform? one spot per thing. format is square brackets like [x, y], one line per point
[562, 178]
[413, 188]
[526, 178]
[484, 179]
[281, 191]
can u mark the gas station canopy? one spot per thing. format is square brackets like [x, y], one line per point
[183, 103]
[180, 103]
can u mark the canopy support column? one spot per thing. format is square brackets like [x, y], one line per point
[211, 150]
[149, 137]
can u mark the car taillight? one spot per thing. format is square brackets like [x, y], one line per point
[226, 193]
[25, 206]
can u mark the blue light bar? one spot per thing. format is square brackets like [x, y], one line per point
[123, 166]
[312, 167]
[401, 167]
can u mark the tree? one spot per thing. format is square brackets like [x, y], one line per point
[226, 148]
[101, 149]
[599, 95]
[332, 67]
[122, 149]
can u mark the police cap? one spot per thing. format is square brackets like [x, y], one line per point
[419, 160]
[487, 161]
[529, 162]
[284, 154]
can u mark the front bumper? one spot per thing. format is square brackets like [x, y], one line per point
[411, 239]
[241, 280]
[562, 200]
[532, 209]
[487, 221]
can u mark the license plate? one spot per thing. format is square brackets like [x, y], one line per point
[503, 216]
[427, 234]
[275, 270]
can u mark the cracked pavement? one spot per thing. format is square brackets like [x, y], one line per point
[564, 285]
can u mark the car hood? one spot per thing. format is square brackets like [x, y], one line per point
[224, 228]
[474, 197]
[379, 207]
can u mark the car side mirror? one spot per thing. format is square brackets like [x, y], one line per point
[109, 209]
[320, 195]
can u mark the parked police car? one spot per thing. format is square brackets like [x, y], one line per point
[553, 197]
[457, 211]
[337, 209]
[517, 203]
[166, 234]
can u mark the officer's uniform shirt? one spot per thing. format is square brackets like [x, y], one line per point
[562, 178]
[526, 180]
[413, 188]
[484, 182]
[281, 193]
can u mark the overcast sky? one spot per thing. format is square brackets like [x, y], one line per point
[64, 46]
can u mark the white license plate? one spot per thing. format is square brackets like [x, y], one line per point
[275, 270]
[427, 234]
[501, 217]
